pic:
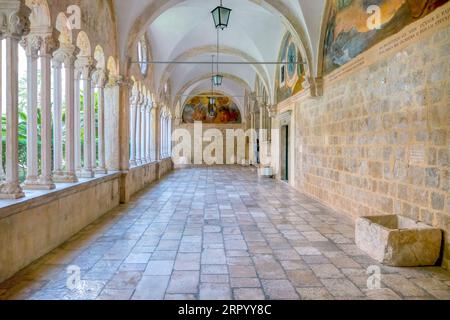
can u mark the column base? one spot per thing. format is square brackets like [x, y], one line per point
[101, 171]
[65, 178]
[89, 174]
[11, 191]
[40, 186]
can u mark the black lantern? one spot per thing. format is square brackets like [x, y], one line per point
[212, 101]
[217, 80]
[221, 15]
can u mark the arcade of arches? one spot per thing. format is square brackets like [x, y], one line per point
[122, 160]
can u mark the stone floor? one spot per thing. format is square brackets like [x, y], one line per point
[218, 233]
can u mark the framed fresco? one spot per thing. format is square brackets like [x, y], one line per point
[223, 111]
[348, 33]
[290, 75]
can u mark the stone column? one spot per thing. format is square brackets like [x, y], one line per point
[77, 120]
[144, 130]
[45, 54]
[32, 45]
[149, 131]
[70, 173]
[134, 100]
[101, 123]
[85, 64]
[138, 129]
[93, 126]
[14, 14]
[124, 132]
[169, 139]
[65, 60]
[157, 139]
[57, 120]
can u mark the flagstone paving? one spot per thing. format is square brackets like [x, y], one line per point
[219, 233]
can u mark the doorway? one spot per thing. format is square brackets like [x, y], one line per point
[285, 153]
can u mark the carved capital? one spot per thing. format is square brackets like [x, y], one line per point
[272, 110]
[14, 21]
[31, 44]
[83, 66]
[99, 78]
[65, 55]
[48, 45]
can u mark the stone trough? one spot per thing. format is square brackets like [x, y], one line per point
[398, 241]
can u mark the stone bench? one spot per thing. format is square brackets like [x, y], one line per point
[398, 241]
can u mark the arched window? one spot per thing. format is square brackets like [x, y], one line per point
[142, 48]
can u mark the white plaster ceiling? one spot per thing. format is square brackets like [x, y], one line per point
[183, 30]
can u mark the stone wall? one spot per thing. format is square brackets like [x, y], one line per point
[378, 142]
[31, 228]
[228, 155]
[139, 177]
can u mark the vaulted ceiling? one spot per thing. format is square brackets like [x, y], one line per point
[183, 30]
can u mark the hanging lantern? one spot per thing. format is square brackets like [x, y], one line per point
[212, 101]
[221, 16]
[217, 80]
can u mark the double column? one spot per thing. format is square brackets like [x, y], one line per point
[134, 102]
[149, 135]
[32, 45]
[99, 83]
[14, 24]
[39, 46]
[84, 67]
[63, 60]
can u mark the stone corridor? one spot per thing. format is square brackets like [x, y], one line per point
[218, 233]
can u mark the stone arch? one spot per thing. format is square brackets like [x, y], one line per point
[111, 66]
[64, 28]
[259, 70]
[154, 10]
[99, 57]
[84, 44]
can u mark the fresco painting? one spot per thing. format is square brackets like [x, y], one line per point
[224, 111]
[290, 76]
[348, 33]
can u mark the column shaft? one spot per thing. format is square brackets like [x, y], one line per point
[46, 180]
[32, 131]
[87, 171]
[11, 189]
[101, 131]
[57, 120]
[70, 174]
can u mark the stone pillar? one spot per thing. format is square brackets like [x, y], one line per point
[71, 97]
[14, 14]
[84, 64]
[32, 45]
[157, 132]
[144, 130]
[93, 126]
[138, 129]
[149, 131]
[57, 120]
[101, 124]
[77, 120]
[45, 54]
[65, 60]
[134, 101]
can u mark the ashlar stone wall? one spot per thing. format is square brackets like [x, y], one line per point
[378, 142]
